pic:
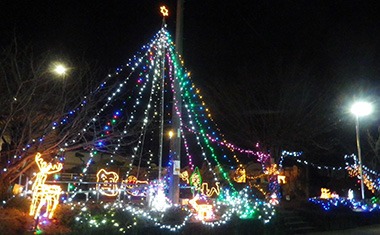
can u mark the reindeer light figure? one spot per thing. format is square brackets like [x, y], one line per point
[44, 194]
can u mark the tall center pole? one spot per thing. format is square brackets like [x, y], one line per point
[360, 156]
[162, 113]
[164, 13]
[175, 142]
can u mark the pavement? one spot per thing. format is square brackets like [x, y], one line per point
[365, 230]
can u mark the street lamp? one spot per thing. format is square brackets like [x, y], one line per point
[60, 69]
[360, 109]
[171, 134]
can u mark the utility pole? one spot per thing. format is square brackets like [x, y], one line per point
[175, 142]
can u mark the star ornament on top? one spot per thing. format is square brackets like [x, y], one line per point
[164, 11]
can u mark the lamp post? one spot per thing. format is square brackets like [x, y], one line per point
[60, 69]
[360, 109]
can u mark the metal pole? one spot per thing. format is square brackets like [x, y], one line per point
[175, 142]
[179, 27]
[360, 156]
[162, 111]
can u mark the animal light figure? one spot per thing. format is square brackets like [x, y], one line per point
[240, 175]
[185, 176]
[350, 194]
[109, 180]
[133, 186]
[325, 193]
[43, 194]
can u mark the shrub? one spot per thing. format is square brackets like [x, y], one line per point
[20, 203]
[13, 221]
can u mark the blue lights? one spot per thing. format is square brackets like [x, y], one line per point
[362, 206]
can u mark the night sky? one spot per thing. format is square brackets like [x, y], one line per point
[219, 36]
[337, 41]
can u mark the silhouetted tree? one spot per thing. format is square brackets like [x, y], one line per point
[287, 109]
[41, 111]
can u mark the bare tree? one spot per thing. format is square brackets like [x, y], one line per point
[41, 111]
[374, 143]
[287, 109]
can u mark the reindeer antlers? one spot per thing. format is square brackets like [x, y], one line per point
[45, 167]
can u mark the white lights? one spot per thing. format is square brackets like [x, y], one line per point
[60, 69]
[361, 109]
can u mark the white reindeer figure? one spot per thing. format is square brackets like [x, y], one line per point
[42, 193]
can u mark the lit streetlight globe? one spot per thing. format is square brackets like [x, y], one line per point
[361, 109]
[60, 69]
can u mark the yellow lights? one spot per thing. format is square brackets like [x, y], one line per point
[164, 11]
[133, 180]
[210, 192]
[240, 175]
[353, 172]
[131, 183]
[325, 193]
[272, 170]
[108, 180]
[184, 176]
[196, 181]
[170, 134]
[107, 184]
[17, 189]
[281, 179]
[43, 194]
[204, 211]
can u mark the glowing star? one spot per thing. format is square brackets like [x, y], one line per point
[204, 210]
[164, 11]
[325, 193]
[43, 194]
[109, 182]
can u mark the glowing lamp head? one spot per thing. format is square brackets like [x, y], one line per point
[60, 69]
[171, 134]
[361, 109]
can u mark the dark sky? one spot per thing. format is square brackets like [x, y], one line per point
[340, 35]
[338, 40]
